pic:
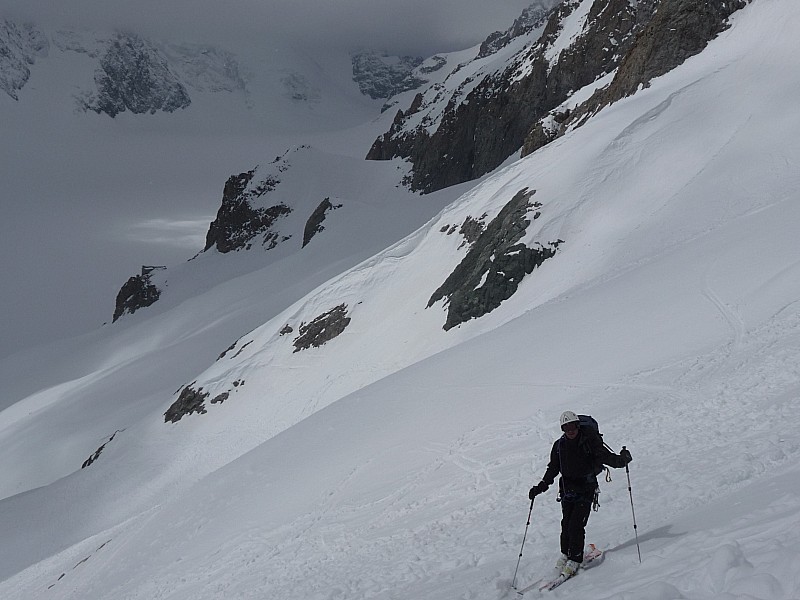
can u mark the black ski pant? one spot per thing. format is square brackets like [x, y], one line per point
[575, 515]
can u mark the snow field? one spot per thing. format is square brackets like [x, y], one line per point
[394, 462]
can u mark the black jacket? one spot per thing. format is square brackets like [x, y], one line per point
[579, 461]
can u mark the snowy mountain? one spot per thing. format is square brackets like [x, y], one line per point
[143, 186]
[505, 101]
[132, 72]
[350, 388]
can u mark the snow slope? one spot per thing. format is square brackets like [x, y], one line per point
[394, 461]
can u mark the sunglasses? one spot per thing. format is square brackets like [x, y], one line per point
[569, 426]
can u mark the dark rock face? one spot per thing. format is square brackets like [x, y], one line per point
[238, 222]
[189, 401]
[220, 398]
[20, 46]
[379, 76]
[322, 329]
[135, 76]
[666, 37]
[516, 108]
[99, 451]
[477, 135]
[678, 30]
[138, 292]
[314, 223]
[531, 17]
[491, 271]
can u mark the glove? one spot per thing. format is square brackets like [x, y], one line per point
[625, 455]
[536, 490]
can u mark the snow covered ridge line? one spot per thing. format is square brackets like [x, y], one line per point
[382, 76]
[451, 135]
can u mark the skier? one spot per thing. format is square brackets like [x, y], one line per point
[578, 456]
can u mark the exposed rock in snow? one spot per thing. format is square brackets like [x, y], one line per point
[20, 46]
[189, 401]
[134, 75]
[583, 40]
[238, 221]
[678, 30]
[488, 116]
[314, 223]
[493, 268]
[138, 292]
[322, 329]
[381, 76]
[531, 18]
[99, 451]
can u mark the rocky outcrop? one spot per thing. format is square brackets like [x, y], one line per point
[96, 454]
[668, 36]
[138, 292]
[495, 265]
[322, 329]
[141, 75]
[380, 76]
[521, 106]
[20, 46]
[491, 123]
[678, 30]
[238, 221]
[135, 76]
[545, 131]
[189, 401]
[314, 223]
[531, 18]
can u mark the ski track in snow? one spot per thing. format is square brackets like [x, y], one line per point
[693, 413]
[390, 547]
[712, 427]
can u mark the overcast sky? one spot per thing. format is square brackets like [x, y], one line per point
[401, 26]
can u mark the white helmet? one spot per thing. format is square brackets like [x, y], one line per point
[568, 417]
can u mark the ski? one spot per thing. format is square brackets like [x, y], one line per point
[530, 587]
[592, 557]
[554, 583]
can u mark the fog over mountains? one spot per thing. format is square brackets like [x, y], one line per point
[299, 323]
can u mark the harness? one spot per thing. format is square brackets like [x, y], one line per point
[570, 496]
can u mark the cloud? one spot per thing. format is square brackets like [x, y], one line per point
[188, 234]
[399, 26]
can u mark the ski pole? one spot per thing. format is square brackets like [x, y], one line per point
[528, 524]
[633, 512]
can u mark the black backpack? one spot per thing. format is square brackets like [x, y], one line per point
[589, 425]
